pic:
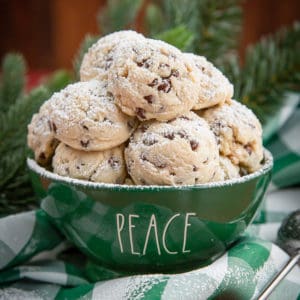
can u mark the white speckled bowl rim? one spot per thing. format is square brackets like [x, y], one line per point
[266, 167]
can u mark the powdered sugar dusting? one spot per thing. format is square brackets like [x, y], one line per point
[266, 167]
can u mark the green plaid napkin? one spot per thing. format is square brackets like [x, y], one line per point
[36, 262]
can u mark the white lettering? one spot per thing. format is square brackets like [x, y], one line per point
[120, 228]
[186, 225]
[130, 226]
[164, 235]
[152, 224]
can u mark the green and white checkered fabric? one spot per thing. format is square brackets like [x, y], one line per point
[36, 262]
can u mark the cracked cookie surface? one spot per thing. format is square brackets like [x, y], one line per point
[99, 57]
[152, 80]
[213, 87]
[86, 117]
[238, 132]
[98, 166]
[181, 151]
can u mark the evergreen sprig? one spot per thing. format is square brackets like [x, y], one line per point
[13, 80]
[271, 67]
[118, 15]
[15, 188]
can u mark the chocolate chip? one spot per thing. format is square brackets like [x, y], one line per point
[182, 134]
[195, 168]
[165, 86]
[251, 125]
[184, 118]
[149, 141]
[84, 144]
[77, 167]
[162, 65]
[172, 173]
[85, 127]
[194, 145]
[113, 162]
[144, 63]
[149, 99]
[248, 148]
[196, 180]
[169, 135]
[143, 157]
[107, 120]
[160, 165]
[205, 161]
[175, 73]
[67, 170]
[153, 83]
[140, 113]
[144, 128]
[143, 181]
[109, 94]
[107, 65]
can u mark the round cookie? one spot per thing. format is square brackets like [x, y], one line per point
[181, 151]
[41, 135]
[152, 80]
[238, 132]
[214, 88]
[98, 59]
[98, 166]
[86, 117]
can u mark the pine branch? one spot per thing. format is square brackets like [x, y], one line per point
[215, 25]
[13, 80]
[118, 15]
[88, 41]
[179, 37]
[13, 132]
[219, 28]
[272, 67]
[16, 193]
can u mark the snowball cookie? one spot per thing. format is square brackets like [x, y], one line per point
[181, 151]
[99, 166]
[238, 132]
[98, 59]
[41, 138]
[214, 88]
[86, 117]
[152, 80]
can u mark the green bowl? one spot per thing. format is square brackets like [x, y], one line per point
[151, 228]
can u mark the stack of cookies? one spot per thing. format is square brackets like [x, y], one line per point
[145, 113]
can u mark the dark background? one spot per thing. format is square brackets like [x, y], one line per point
[48, 32]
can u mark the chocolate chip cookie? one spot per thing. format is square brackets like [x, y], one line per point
[238, 132]
[152, 80]
[98, 166]
[86, 117]
[98, 59]
[213, 87]
[180, 151]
